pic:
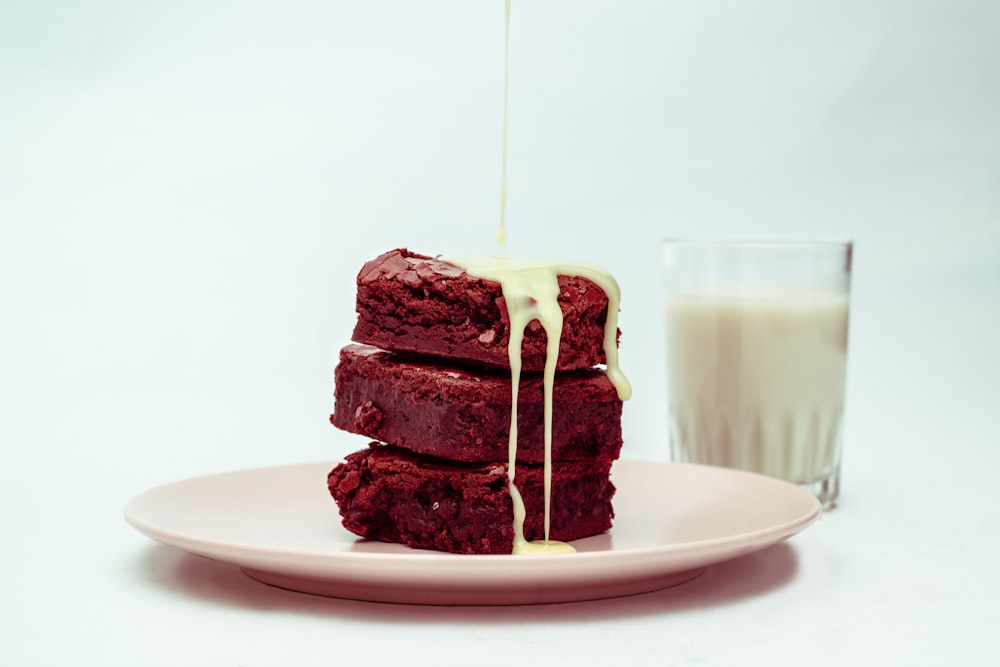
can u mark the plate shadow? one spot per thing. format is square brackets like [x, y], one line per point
[180, 573]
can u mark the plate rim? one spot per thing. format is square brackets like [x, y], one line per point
[360, 569]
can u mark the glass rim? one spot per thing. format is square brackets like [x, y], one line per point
[772, 242]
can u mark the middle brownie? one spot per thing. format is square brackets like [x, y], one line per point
[451, 413]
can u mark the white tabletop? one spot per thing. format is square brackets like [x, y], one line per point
[186, 195]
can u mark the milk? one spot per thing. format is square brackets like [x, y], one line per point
[757, 383]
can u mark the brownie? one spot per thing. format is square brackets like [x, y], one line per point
[413, 303]
[393, 495]
[449, 412]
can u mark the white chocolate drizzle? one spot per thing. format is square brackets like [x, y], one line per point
[502, 232]
[531, 291]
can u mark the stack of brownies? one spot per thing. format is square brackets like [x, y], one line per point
[429, 378]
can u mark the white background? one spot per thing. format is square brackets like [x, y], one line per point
[187, 190]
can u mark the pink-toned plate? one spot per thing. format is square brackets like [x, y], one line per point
[282, 528]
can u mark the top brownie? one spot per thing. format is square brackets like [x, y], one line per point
[408, 302]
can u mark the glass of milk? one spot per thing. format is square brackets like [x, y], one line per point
[757, 356]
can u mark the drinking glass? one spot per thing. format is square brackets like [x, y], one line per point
[757, 356]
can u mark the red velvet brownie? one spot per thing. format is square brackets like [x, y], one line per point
[393, 495]
[454, 413]
[414, 303]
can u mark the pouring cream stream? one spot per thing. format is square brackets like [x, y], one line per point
[531, 292]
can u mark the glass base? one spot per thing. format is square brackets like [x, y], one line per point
[826, 490]
[782, 456]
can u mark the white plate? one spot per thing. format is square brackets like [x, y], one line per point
[281, 527]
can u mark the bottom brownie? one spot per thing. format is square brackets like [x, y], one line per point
[393, 495]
